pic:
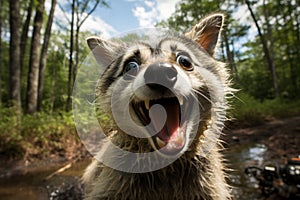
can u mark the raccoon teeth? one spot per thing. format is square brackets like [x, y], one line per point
[180, 99]
[180, 140]
[147, 104]
[160, 142]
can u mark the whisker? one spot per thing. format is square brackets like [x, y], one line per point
[202, 95]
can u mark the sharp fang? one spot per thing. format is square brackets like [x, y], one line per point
[147, 104]
[180, 140]
[180, 99]
[160, 142]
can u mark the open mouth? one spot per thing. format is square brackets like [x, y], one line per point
[170, 139]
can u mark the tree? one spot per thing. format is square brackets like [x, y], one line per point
[43, 58]
[33, 74]
[70, 81]
[232, 32]
[14, 54]
[1, 8]
[82, 10]
[287, 39]
[271, 48]
[188, 12]
[24, 35]
[270, 61]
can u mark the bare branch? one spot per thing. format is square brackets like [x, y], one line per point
[64, 12]
[89, 13]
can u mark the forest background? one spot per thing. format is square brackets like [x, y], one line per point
[38, 66]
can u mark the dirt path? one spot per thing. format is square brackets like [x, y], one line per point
[281, 136]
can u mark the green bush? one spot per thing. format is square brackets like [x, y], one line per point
[40, 133]
[10, 137]
[250, 111]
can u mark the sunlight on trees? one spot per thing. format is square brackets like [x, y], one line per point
[38, 65]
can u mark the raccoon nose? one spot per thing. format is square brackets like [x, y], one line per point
[160, 74]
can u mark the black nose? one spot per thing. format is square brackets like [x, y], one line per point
[160, 74]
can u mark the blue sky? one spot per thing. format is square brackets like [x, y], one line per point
[127, 15]
[122, 16]
[119, 15]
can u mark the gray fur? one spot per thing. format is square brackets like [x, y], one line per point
[199, 172]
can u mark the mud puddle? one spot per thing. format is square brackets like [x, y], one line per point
[238, 158]
[33, 184]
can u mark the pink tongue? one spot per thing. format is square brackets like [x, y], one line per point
[171, 126]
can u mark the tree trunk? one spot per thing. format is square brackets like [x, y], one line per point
[70, 79]
[1, 5]
[43, 59]
[79, 23]
[236, 74]
[271, 50]
[24, 36]
[52, 91]
[33, 74]
[76, 50]
[230, 56]
[14, 54]
[297, 42]
[270, 62]
[223, 51]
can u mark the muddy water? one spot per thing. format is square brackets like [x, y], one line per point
[24, 183]
[30, 182]
[239, 157]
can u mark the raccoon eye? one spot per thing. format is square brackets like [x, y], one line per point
[184, 62]
[130, 70]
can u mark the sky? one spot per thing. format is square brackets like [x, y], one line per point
[127, 15]
[121, 16]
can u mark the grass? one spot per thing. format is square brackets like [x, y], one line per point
[42, 134]
[249, 111]
[37, 135]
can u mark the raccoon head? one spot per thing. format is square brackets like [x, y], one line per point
[157, 82]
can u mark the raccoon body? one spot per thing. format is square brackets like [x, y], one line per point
[173, 72]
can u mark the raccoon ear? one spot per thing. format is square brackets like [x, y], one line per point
[103, 50]
[206, 33]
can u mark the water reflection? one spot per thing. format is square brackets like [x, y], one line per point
[32, 185]
[239, 157]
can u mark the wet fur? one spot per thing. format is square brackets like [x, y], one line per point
[197, 174]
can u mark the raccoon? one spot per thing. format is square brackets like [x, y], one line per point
[180, 74]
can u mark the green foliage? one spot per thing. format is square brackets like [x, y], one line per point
[44, 132]
[133, 37]
[252, 73]
[10, 138]
[37, 135]
[249, 111]
[283, 41]
[254, 77]
[189, 12]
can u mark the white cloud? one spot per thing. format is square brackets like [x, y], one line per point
[241, 14]
[166, 8]
[97, 25]
[146, 17]
[93, 23]
[149, 13]
[150, 4]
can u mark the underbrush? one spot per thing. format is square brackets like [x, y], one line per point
[36, 136]
[42, 134]
[248, 111]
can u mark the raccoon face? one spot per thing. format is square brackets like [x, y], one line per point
[159, 82]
